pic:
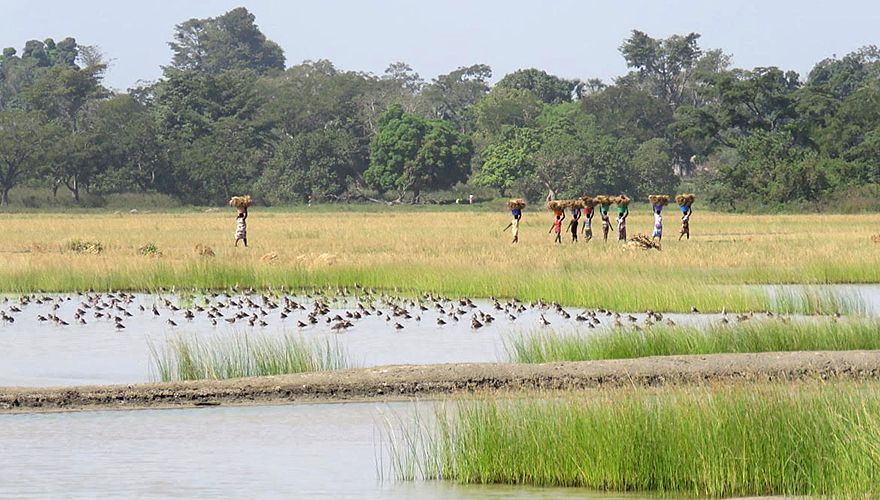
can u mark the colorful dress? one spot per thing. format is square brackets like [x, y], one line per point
[658, 226]
[621, 227]
[240, 228]
[588, 224]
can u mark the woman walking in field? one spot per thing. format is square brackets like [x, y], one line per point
[588, 219]
[241, 203]
[685, 201]
[605, 205]
[575, 220]
[558, 212]
[241, 227]
[658, 201]
[622, 214]
[515, 207]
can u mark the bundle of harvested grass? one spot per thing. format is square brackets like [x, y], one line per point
[555, 205]
[203, 250]
[516, 203]
[658, 199]
[622, 200]
[685, 200]
[574, 204]
[269, 258]
[83, 247]
[603, 199]
[642, 242]
[589, 201]
[241, 202]
[875, 238]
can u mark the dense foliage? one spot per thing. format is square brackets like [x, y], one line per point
[229, 117]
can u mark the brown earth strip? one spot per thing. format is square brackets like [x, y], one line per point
[432, 381]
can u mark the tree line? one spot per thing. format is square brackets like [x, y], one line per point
[228, 117]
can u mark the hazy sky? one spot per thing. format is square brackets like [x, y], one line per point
[568, 38]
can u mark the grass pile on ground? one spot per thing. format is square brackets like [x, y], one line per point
[191, 358]
[725, 441]
[657, 340]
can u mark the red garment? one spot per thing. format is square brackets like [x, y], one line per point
[557, 226]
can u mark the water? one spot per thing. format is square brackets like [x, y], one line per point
[330, 451]
[42, 353]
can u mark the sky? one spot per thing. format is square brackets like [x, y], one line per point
[569, 38]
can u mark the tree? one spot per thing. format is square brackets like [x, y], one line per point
[316, 164]
[664, 64]
[652, 163]
[451, 96]
[626, 111]
[25, 140]
[228, 42]
[509, 160]
[546, 87]
[411, 153]
[504, 107]
[759, 99]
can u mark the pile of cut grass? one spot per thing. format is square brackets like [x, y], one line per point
[189, 358]
[749, 336]
[724, 441]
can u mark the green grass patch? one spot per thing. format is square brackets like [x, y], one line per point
[191, 358]
[764, 440]
[657, 340]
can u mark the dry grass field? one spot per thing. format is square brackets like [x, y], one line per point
[453, 253]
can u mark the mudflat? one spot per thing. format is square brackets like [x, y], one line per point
[398, 382]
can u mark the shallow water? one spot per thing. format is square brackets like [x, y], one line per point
[330, 450]
[42, 353]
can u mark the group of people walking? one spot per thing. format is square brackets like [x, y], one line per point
[582, 211]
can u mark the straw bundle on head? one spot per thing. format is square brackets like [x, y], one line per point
[555, 205]
[240, 201]
[658, 199]
[575, 203]
[516, 203]
[589, 201]
[622, 200]
[685, 200]
[603, 199]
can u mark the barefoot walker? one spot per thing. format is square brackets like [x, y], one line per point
[241, 203]
[684, 202]
[658, 201]
[622, 213]
[515, 206]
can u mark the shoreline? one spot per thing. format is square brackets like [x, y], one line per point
[404, 382]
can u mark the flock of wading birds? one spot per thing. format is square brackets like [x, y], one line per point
[337, 310]
[583, 208]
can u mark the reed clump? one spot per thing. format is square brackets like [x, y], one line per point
[79, 246]
[149, 250]
[663, 340]
[191, 358]
[769, 439]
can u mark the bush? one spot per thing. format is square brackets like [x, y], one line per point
[83, 247]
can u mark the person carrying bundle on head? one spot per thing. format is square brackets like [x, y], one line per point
[559, 214]
[658, 201]
[589, 203]
[685, 202]
[575, 208]
[241, 203]
[515, 207]
[604, 206]
[622, 214]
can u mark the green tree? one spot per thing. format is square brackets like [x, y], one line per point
[228, 42]
[503, 107]
[626, 111]
[317, 164]
[653, 164]
[548, 88]
[509, 160]
[411, 153]
[451, 96]
[26, 139]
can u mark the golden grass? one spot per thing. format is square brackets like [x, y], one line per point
[452, 253]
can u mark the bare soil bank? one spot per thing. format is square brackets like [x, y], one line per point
[432, 381]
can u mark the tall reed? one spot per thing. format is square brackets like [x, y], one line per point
[190, 358]
[657, 340]
[724, 441]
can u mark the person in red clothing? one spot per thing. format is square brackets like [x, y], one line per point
[557, 229]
